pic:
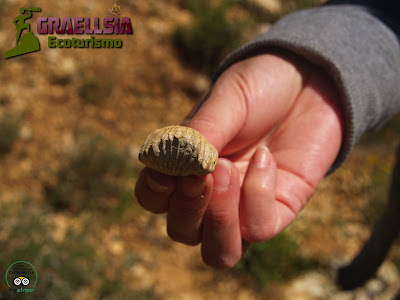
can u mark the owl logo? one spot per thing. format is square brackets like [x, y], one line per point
[21, 279]
[15, 277]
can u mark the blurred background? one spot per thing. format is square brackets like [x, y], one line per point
[71, 125]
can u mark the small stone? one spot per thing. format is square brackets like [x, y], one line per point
[201, 84]
[25, 133]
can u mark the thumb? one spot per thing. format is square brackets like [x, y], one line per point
[251, 96]
[222, 113]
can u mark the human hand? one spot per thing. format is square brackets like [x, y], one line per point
[265, 102]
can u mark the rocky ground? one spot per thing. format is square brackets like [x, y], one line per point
[122, 95]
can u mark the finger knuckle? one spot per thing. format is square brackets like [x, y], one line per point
[182, 237]
[221, 261]
[256, 234]
[155, 208]
[219, 217]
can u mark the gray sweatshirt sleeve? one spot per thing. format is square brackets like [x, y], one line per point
[357, 45]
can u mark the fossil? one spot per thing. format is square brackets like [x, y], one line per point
[178, 151]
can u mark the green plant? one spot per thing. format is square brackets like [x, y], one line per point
[9, 130]
[386, 135]
[66, 263]
[275, 260]
[289, 6]
[94, 91]
[93, 177]
[378, 192]
[286, 6]
[211, 36]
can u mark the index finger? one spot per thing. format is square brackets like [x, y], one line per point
[214, 116]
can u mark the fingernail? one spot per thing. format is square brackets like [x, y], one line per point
[192, 187]
[157, 182]
[222, 176]
[261, 157]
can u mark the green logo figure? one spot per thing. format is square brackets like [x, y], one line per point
[115, 10]
[28, 42]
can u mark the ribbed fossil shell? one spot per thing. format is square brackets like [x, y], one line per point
[179, 151]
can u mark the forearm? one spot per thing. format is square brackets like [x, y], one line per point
[359, 50]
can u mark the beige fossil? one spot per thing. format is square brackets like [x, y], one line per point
[178, 151]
